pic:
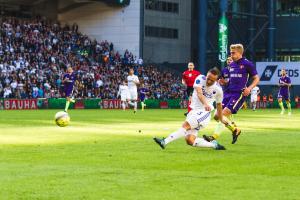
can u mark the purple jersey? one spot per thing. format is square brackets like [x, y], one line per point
[284, 90]
[69, 84]
[240, 71]
[143, 92]
[225, 75]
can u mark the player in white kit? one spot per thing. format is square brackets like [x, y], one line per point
[124, 94]
[206, 92]
[133, 81]
[253, 99]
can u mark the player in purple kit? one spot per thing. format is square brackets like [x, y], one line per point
[143, 92]
[224, 80]
[284, 93]
[240, 70]
[69, 81]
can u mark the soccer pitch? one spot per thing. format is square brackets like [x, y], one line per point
[103, 155]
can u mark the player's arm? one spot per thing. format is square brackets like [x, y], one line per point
[255, 81]
[136, 81]
[223, 81]
[255, 78]
[65, 79]
[288, 83]
[281, 83]
[202, 98]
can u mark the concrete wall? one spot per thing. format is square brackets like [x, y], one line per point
[158, 50]
[120, 25]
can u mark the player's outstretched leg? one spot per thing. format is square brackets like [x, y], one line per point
[233, 128]
[172, 137]
[134, 106]
[200, 142]
[143, 105]
[67, 105]
[281, 106]
[123, 105]
[160, 142]
[68, 101]
[219, 128]
[218, 146]
[72, 100]
[131, 103]
[254, 105]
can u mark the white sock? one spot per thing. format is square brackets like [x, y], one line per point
[200, 142]
[254, 105]
[135, 105]
[123, 105]
[175, 135]
[130, 103]
[218, 129]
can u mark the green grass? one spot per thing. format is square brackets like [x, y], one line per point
[102, 155]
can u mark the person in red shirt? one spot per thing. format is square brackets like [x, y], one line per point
[188, 79]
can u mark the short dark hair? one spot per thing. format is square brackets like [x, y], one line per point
[214, 71]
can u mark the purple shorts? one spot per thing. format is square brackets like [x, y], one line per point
[233, 101]
[69, 92]
[226, 97]
[284, 95]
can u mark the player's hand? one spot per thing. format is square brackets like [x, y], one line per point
[222, 81]
[246, 92]
[207, 107]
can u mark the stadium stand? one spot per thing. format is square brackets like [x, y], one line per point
[34, 54]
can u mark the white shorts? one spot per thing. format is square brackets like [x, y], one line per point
[253, 98]
[124, 97]
[198, 119]
[132, 95]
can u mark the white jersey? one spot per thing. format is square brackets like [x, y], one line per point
[131, 82]
[123, 90]
[212, 94]
[255, 91]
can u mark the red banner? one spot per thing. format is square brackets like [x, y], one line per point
[111, 104]
[79, 104]
[20, 104]
[163, 104]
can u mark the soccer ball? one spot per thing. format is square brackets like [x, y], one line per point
[62, 119]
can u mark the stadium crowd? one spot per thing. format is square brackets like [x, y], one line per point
[34, 54]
